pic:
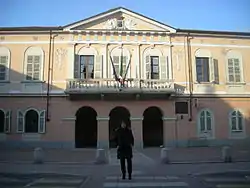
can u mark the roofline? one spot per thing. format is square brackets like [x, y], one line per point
[32, 28]
[211, 32]
[116, 9]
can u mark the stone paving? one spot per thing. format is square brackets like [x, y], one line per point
[146, 169]
[41, 180]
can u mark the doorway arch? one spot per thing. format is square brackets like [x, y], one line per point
[152, 127]
[116, 116]
[86, 128]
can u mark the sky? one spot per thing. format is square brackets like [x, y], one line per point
[222, 15]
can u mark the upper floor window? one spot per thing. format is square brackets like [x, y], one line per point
[86, 66]
[206, 67]
[156, 65]
[234, 67]
[202, 69]
[152, 68]
[205, 121]
[31, 121]
[5, 121]
[4, 63]
[120, 65]
[33, 64]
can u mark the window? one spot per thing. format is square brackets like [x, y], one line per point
[236, 121]
[152, 67]
[33, 68]
[3, 67]
[120, 64]
[234, 70]
[33, 64]
[205, 121]
[5, 121]
[202, 69]
[31, 121]
[4, 63]
[86, 66]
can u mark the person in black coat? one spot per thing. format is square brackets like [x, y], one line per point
[125, 142]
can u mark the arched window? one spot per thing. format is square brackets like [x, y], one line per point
[33, 64]
[5, 121]
[4, 63]
[205, 123]
[234, 67]
[236, 121]
[120, 59]
[156, 65]
[31, 121]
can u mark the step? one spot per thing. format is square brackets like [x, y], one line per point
[145, 184]
[227, 180]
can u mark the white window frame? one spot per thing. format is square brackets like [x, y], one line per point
[236, 133]
[234, 55]
[34, 51]
[6, 118]
[4, 51]
[206, 134]
[39, 121]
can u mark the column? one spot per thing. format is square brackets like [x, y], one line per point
[136, 126]
[103, 132]
[105, 62]
[136, 70]
[71, 59]
[170, 60]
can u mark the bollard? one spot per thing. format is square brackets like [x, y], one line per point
[38, 156]
[165, 155]
[101, 157]
[226, 154]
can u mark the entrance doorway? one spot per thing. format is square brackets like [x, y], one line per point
[152, 127]
[86, 128]
[116, 116]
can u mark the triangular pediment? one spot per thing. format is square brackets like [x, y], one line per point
[119, 19]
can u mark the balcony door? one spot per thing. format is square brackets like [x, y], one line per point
[85, 67]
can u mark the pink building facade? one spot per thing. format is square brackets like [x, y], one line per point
[71, 86]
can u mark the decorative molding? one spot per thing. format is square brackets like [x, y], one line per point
[127, 24]
[126, 42]
[60, 55]
[2, 38]
[35, 38]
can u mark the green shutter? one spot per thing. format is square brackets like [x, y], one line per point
[148, 68]
[163, 67]
[42, 122]
[20, 121]
[98, 66]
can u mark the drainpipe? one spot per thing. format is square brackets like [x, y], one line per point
[48, 80]
[50, 65]
[190, 76]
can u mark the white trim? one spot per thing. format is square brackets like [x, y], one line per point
[236, 134]
[202, 53]
[122, 10]
[150, 51]
[35, 51]
[236, 55]
[206, 134]
[125, 42]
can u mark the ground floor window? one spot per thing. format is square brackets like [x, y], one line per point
[31, 121]
[5, 121]
[236, 121]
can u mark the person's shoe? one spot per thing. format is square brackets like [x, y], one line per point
[129, 177]
[123, 176]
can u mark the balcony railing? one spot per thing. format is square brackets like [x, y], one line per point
[110, 85]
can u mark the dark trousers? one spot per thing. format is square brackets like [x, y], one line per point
[123, 165]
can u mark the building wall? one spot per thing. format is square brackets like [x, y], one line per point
[60, 130]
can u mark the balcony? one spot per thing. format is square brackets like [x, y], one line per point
[111, 86]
